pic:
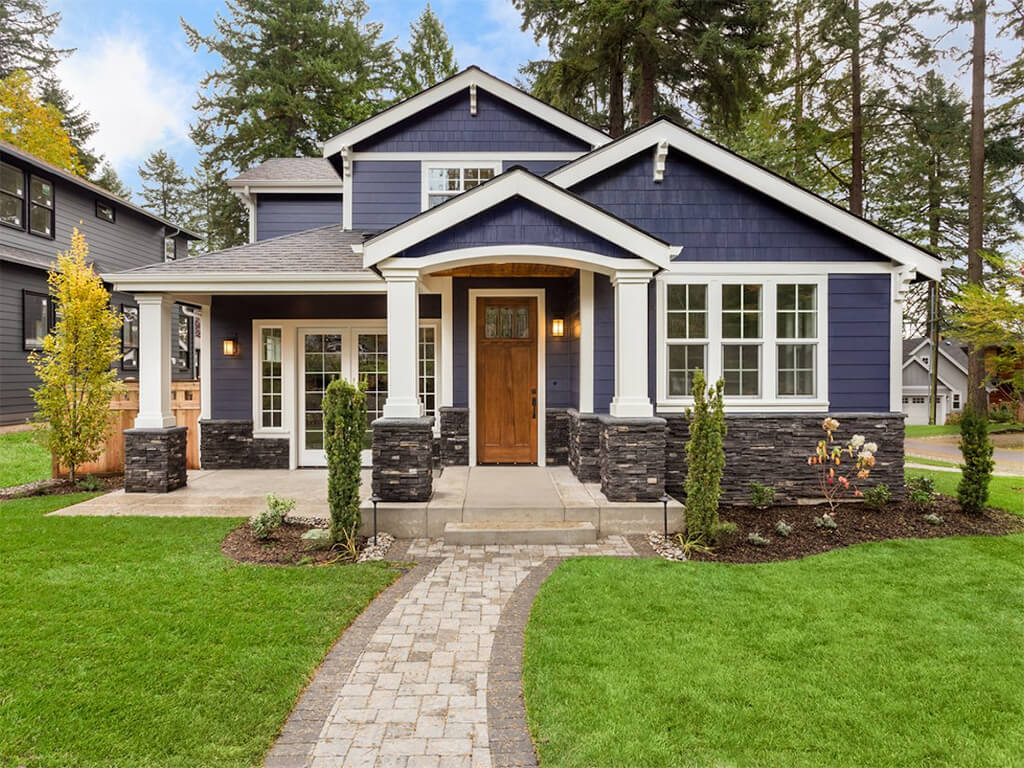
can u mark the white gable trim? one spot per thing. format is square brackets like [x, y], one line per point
[912, 355]
[746, 172]
[523, 184]
[266, 186]
[925, 387]
[456, 84]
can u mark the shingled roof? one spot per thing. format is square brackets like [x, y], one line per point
[285, 169]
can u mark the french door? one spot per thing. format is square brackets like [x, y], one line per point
[321, 360]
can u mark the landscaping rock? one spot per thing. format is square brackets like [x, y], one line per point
[376, 549]
[316, 539]
[667, 548]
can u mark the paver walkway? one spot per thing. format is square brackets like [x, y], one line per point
[417, 694]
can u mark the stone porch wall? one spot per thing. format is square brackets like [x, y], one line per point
[229, 444]
[454, 438]
[556, 436]
[154, 460]
[585, 446]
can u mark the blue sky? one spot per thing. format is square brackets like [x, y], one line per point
[134, 72]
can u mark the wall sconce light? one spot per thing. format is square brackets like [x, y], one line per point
[558, 327]
[230, 347]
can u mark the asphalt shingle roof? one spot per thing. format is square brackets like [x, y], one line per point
[325, 249]
[291, 169]
[951, 348]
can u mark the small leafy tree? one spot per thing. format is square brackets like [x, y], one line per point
[972, 492]
[75, 365]
[344, 408]
[827, 461]
[705, 460]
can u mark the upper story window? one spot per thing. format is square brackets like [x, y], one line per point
[104, 211]
[444, 180]
[40, 214]
[12, 196]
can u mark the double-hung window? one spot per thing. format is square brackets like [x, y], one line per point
[12, 196]
[271, 378]
[686, 331]
[129, 338]
[742, 339]
[442, 181]
[38, 318]
[796, 328]
[40, 213]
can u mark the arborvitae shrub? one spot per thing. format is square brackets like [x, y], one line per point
[978, 465]
[705, 459]
[344, 408]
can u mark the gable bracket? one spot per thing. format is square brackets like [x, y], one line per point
[660, 155]
[346, 162]
[472, 99]
[904, 277]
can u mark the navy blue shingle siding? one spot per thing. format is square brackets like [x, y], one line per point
[278, 215]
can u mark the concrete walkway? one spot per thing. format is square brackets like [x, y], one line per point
[1008, 451]
[418, 694]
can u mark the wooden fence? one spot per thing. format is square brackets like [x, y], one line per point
[185, 406]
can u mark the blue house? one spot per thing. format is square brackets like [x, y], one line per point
[513, 286]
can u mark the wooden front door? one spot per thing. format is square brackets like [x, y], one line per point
[506, 380]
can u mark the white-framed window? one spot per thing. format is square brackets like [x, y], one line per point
[271, 378]
[445, 179]
[919, 400]
[764, 336]
[428, 369]
[956, 401]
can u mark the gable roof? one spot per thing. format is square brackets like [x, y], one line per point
[303, 171]
[665, 132]
[951, 349]
[471, 76]
[83, 183]
[518, 182]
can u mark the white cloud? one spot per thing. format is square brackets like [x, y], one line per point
[139, 106]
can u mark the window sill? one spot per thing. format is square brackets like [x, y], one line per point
[270, 432]
[734, 405]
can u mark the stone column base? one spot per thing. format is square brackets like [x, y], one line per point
[229, 444]
[632, 458]
[403, 459]
[556, 436]
[454, 437]
[154, 460]
[585, 446]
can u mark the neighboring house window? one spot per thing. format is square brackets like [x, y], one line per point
[428, 370]
[926, 360]
[129, 338]
[40, 209]
[444, 180]
[12, 196]
[956, 401]
[270, 377]
[687, 335]
[796, 318]
[104, 211]
[918, 400]
[741, 319]
[38, 318]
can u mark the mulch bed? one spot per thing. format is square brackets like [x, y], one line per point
[856, 523]
[284, 547]
[60, 486]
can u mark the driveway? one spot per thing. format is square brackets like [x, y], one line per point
[1008, 453]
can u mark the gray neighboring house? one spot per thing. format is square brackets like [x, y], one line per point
[951, 388]
[40, 204]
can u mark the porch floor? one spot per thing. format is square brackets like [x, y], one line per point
[461, 495]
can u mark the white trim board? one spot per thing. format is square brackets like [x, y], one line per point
[754, 176]
[224, 283]
[523, 184]
[505, 156]
[539, 294]
[472, 76]
[519, 254]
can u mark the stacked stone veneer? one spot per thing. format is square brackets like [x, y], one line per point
[585, 446]
[773, 450]
[454, 437]
[229, 444]
[403, 459]
[154, 459]
[556, 436]
[632, 458]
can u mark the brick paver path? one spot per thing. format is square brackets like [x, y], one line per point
[417, 694]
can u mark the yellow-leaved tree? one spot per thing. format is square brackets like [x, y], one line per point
[75, 365]
[33, 126]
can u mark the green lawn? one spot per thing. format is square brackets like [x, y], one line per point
[134, 642]
[936, 430]
[929, 462]
[1003, 492]
[903, 653]
[22, 460]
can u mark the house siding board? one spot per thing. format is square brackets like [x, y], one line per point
[561, 356]
[278, 215]
[515, 222]
[714, 217]
[604, 343]
[449, 127]
[858, 341]
[232, 316]
[384, 193]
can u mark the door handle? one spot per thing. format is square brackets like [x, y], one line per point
[534, 403]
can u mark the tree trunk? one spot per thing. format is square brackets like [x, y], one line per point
[648, 85]
[934, 201]
[616, 108]
[976, 395]
[798, 96]
[856, 120]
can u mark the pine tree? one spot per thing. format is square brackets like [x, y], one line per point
[25, 32]
[430, 58]
[215, 212]
[164, 187]
[77, 123]
[292, 74]
[110, 181]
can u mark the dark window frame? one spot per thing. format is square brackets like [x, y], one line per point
[51, 317]
[30, 205]
[108, 206]
[129, 366]
[24, 198]
[189, 353]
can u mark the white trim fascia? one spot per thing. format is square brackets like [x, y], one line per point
[520, 254]
[456, 84]
[284, 187]
[505, 156]
[760, 179]
[450, 162]
[523, 184]
[899, 285]
[586, 386]
[767, 268]
[235, 282]
[542, 322]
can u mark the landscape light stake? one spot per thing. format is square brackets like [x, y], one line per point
[664, 505]
[374, 499]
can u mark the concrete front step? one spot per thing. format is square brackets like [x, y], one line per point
[520, 532]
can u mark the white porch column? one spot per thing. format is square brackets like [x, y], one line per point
[403, 338]
[206, 360]
[154, 361]
[630, 399]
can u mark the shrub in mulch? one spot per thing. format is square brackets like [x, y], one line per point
[855, 523]
[285, 546]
